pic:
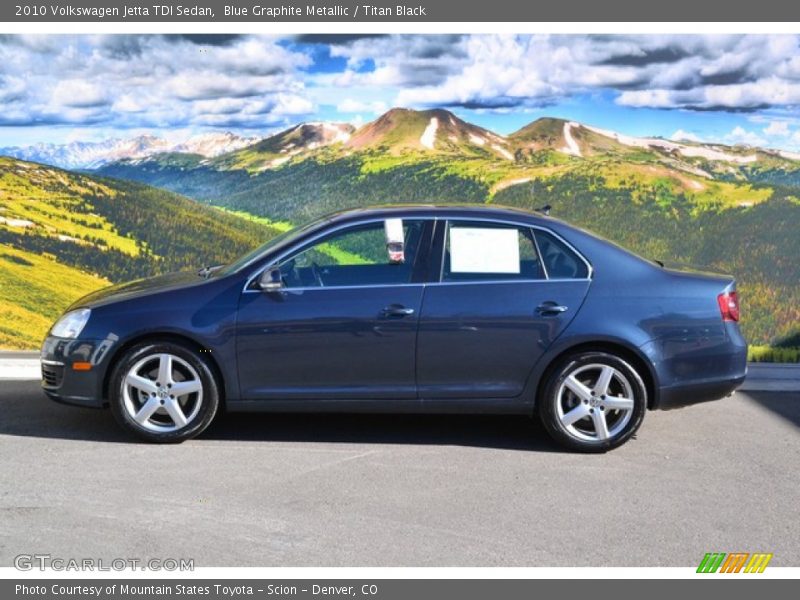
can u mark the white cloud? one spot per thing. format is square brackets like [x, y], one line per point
[684, 136]
[777, 128]
[140, 81]
[356, 106]
[134, 81]
[728, 72]
[740, 135]
[79, 93]
[357, 121]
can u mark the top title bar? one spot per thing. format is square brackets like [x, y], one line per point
[453, 11]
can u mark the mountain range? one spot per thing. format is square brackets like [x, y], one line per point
[726, 208]
[91, 155]
[734, 209]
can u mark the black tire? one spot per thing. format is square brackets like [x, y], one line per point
[202, 406]
[583, 435]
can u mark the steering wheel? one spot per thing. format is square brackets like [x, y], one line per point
[317, 275]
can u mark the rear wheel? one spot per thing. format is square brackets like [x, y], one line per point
[593, 402]
[163, 392]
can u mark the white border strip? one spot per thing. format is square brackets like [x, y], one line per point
[408, 573]
[20, 369]
[290, 28]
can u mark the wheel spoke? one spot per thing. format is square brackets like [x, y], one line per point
[147, 410]
[600, 425]
[604, 380]
[576, 414]
[175, 412]
[141, 383]
[164, 369]
[577, 388]
[614, 403]
[182, 388]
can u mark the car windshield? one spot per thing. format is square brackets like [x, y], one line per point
[272, 244]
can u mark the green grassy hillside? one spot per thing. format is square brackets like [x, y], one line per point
[63, 235]
[729, 208]
[34, 291]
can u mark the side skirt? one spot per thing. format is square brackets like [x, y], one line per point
[494, 406]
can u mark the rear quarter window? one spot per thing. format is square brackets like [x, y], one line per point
[559, 259]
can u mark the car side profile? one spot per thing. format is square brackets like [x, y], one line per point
[414, 309]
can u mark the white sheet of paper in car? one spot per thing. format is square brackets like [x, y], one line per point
[484, 250]
[395, 240]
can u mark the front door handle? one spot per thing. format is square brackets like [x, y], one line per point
[397, 310]
[551, 308]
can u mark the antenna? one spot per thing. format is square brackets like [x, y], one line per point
[545, 210]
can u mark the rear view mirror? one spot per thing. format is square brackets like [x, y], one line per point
[395, 240]
[271, 280]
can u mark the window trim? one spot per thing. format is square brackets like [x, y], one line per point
[248, 289]
[308, 243]
[517, 224]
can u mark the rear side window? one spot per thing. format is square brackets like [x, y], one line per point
[559, 259]
[483, 251]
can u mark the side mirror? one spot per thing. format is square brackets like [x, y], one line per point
[270, 280]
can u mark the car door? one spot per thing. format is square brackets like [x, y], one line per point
[495, 309]
[343, 324]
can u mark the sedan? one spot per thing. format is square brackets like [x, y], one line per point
[412, 309]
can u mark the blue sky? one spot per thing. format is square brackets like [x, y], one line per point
[720, 88]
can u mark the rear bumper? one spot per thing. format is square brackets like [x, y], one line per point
[684, 395]
[697, 366]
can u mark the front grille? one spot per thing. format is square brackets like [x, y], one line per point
[51, 375]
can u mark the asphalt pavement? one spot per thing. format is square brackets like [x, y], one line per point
[346, 490]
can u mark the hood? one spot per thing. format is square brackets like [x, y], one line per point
[139, 288]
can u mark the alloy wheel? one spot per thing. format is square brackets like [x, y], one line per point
[595, 402]
[162, 393]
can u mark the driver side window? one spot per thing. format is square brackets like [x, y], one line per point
[357, 256]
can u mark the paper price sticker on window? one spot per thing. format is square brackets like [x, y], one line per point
[476, 250]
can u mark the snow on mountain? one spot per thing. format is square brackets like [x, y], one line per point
[571, 146]
[690, 151]
[91, 155]
[428, 137]
[214, 143]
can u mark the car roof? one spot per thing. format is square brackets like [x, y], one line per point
[442, 210]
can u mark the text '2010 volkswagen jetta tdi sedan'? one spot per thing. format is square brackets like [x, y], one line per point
[407, 309]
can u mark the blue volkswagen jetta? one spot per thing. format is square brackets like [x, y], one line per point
[407, 309]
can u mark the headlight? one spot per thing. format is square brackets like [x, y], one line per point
[71, 324]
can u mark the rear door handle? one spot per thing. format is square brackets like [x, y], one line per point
[552, 308]
[397, 310]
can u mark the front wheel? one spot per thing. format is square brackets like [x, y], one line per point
[593, 402]
[163, 392]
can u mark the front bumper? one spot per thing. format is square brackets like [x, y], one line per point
[62, 383]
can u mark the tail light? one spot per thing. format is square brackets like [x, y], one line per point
[729, 306]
